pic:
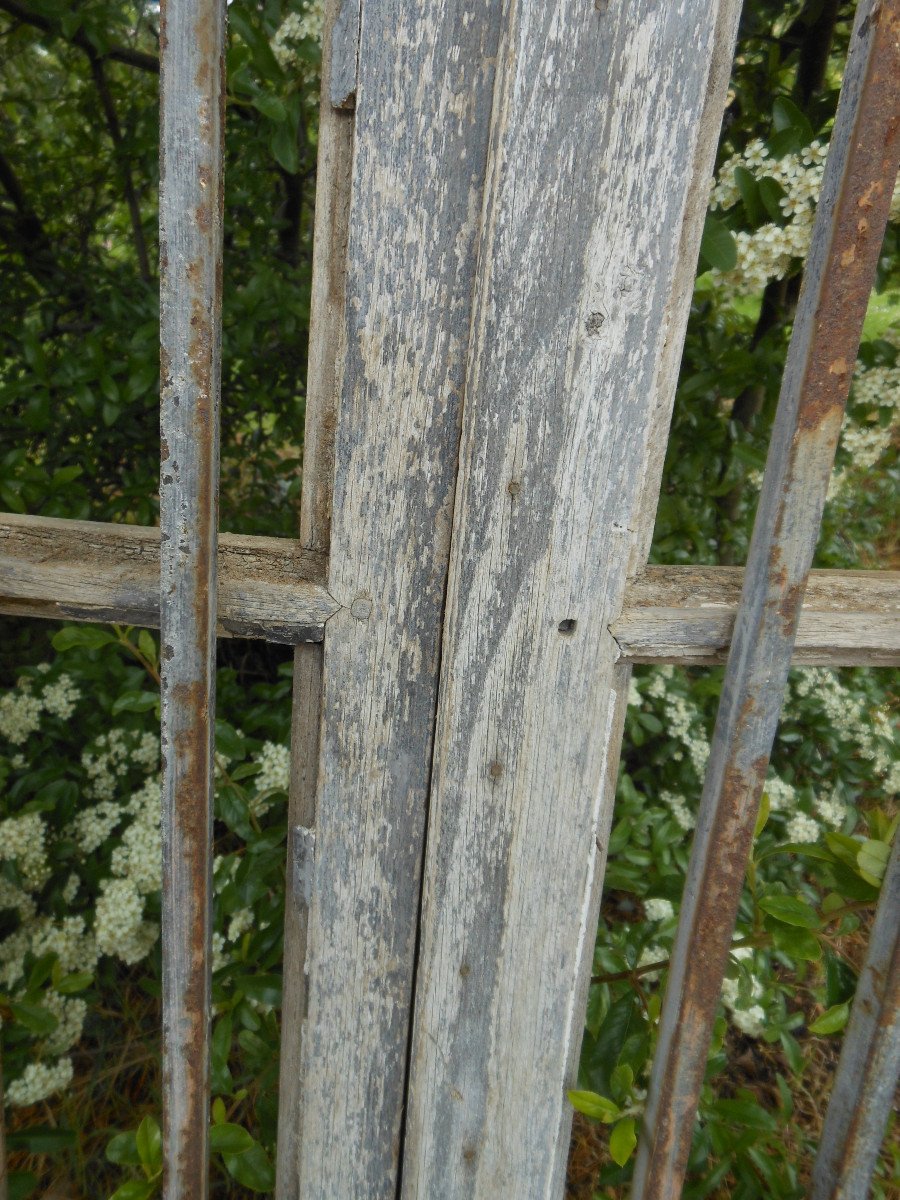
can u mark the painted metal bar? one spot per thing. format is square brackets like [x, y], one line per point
[191, 198]
[847, 237]
[868, 1071]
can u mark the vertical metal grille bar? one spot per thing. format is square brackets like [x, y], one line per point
[191, 197]
[852, 214]
[870, 1060]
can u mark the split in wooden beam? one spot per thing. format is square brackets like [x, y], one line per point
[273, 589]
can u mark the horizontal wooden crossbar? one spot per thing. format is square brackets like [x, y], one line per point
[271, 588]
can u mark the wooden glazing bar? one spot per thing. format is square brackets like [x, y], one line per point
[604, 129]
[866, 1080]
[326, 353]
[274, 589]
[425, 82]
[847, 237]
[191, 198]
[269, 588]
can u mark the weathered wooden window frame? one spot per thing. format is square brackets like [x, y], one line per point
[405, 518]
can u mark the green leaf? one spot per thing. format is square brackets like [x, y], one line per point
[22, 1184]
[252, 1168]
[621, 1080]
[77, 981]
[797, 943]
[270, 106]
[122, 1150]
[592, 1105]
[749, 190]
[717, 246]
[264, 989]
[832, 1020]
[622, 1141]
[229, 1139]
[149, 1145]
[786, 115]
[219, 1115]
[135, 702]
[34, 1017]
[135, 1189]
[771, 192]
[89, 636]
[872, 859]
[790, 910]
[283, 144]
[41, 1139]
[762, 816]
[147, 645]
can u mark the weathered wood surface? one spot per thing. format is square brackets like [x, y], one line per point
[686, 615]
[326, 355]
[595, 167]
[866, 1081]
[192, 92]
[847, 237]
[88, 571]
[273, 588]
[420, 145]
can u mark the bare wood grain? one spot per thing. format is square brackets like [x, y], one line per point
[326, 358]
[596, 159]
[420, 144]
[273, 588]
[686, 615]
[88, 571]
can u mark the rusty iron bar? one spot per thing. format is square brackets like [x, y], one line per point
[847, 237]
[192, 34]
[867, 1073]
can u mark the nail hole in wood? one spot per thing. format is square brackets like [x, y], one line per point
[568, 625]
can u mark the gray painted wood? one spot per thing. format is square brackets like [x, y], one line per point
[326, 356]
[345, 55]
[273, 588]
[847, 237]
[686, 615]
[866, 1081]
[88, 571]
[192, 91]
[420, 145]
[600, 142]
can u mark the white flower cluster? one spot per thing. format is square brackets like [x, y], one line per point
[274, 775]
[684, 720]
[21, 707]
[768, 252]
[658, 909]
[870, 731]
[297, 27]
[866, 439]
[39, 1080]
[749, 1019]
[684, 818]
[22, 840]
[110, 756]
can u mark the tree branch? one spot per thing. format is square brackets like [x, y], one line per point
[122, 54]
[121, 153]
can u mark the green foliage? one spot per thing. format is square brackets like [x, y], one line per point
[79, 367]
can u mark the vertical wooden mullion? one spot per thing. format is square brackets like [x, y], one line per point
[866, 1079]
[847, 237]
[333, 174]
[604, 133]
[191, 198]
[419, 149]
